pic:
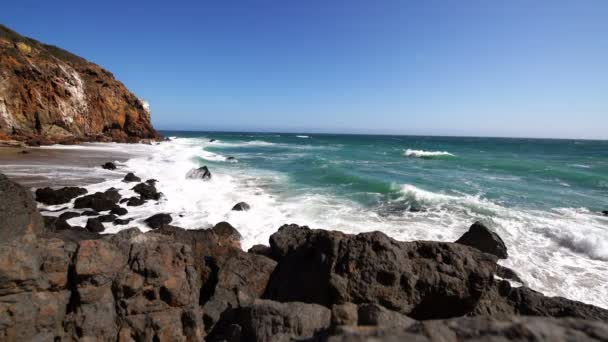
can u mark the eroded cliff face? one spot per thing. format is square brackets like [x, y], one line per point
[50, 95]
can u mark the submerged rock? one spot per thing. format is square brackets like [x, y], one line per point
[158, 220]
[130, 177]
[480, 237]
[109, 166]
[241, 206]
[122, 222]
[200, 173]
[64, 195]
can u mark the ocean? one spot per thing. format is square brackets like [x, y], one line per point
[543, 197]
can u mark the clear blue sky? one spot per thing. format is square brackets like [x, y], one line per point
[485, 68]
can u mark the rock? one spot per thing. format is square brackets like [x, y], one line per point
[507, 273]
[109, 166]
[480, 237]
[344, 314]
[261, 250]
[64, 195]
[151, 181]
[67, 87]
[94, 225]
[106, 218]
[421, 279]
[90, 213]
[266, 321]
[24, 152]
[464, 329]
[376, 315]
[122, 222]
[68, 215]
[200, 173]
[135, 202]
[158, 220]
[241, 206]
[231, 159]
[147, 191]
[18, 213]
[52, 223]
[229, 235]
[99, 201]
[605, 212]
[130, 177]
[212, 140]
[119, 211]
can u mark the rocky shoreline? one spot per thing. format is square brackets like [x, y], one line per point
[59, 282]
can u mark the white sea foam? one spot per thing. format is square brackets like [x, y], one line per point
[426, 154]
[302, 136]
[560, 252]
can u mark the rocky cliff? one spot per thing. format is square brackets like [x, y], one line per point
[50, 95]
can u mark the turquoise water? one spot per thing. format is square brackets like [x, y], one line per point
[528, 173]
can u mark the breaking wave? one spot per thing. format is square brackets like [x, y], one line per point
[426, 154]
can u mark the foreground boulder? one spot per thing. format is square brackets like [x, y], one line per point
[64, 195]
[480, 237]
[99, 201]
[421, 279]
[241, 206]
[18, 213]
[200, 173]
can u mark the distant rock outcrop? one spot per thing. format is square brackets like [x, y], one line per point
[49, 95]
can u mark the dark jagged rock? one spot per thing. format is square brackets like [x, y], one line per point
[520, 329]
[99, 201]
[605, 212]
[507, 273]
[18, 213]
[52, 223]
[64, 195]
[135, 202]
[200, 173]
[158, 220]
[109, 166]
[68, 215]
[241, 206]
[130, 177]
[94, 225]
[119, 211]
[420, 279]
[482, 238]
[147, 191]
[151, 181]
[106, 218]
[90, 213]
[261, 250]
[267, 321]
[122, 222]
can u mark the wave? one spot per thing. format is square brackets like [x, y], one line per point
[426, 154]
[302, 136]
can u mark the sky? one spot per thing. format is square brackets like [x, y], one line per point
[454, 67]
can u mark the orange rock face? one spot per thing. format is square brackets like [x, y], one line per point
[48, 95]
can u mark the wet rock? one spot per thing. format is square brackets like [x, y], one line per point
[130, 177]
[200, 173]
[507, 273]
[267, 321]
[480, 237]
[231, 159]
[109, 166]
[90, 213]
[605, 212]
[147, 191]
[119, 211]
[151, 181]
[241, 206]
[212, 140]
[135, 202]
[69, 215]
[18, 213]
[94, 225]
[421, 279]
[122, 222]
[106, 218]
[158, 220]
[64, 195]
[99, 201]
